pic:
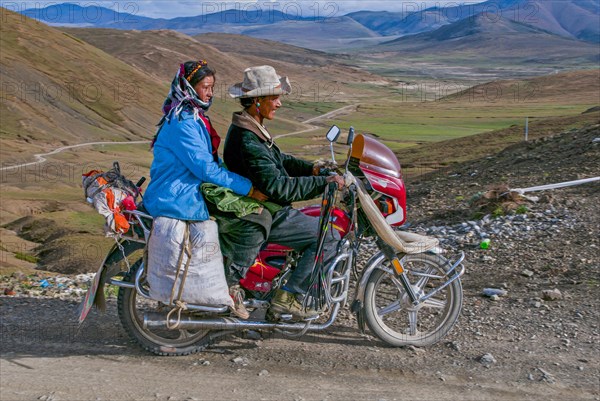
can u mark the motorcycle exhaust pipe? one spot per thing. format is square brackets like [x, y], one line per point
[157, 320]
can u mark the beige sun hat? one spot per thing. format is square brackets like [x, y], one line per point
[261, 81]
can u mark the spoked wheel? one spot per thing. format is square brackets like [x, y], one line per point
[132, 306]
[393, 318]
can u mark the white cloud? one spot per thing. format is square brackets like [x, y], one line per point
[306, 8]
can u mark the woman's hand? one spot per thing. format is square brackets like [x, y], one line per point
[257, 195]
[338, 179]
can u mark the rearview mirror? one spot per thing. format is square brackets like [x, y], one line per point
[333, 133]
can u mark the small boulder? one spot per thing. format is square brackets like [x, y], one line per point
[487, 359]
[551, 295]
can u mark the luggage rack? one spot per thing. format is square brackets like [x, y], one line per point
[136, 219]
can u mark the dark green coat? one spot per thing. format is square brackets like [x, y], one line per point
[283, 178]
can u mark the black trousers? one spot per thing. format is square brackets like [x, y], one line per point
[242, 239]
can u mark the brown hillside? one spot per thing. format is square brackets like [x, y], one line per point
[273, 50]
[564, 88]
[315, 75]
[311, 69]
[59, 90]
[159, 53]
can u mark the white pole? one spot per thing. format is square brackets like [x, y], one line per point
[526, 128]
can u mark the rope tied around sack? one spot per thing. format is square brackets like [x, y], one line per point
[179, 305]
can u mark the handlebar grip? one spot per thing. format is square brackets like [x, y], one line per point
[350, 135]
[140, 182]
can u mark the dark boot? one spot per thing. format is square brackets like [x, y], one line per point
[286, 303]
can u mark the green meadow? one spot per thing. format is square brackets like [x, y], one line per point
[403, 124]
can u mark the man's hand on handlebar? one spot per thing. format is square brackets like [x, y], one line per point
[338, 179]
[324, 168]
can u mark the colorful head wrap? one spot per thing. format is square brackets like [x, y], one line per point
[182, 96]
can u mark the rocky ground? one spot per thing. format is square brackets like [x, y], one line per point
[529, 329]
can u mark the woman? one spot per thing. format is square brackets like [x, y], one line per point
[185, 156]
[251, 152]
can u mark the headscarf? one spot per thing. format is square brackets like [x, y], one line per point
[182, 96]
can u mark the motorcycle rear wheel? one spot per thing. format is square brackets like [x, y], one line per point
[132, 306]
[395, 320]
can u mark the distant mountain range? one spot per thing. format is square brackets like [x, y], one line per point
[574, 19]
[481, 36]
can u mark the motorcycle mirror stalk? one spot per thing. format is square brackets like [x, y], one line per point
[332, 136]
[349, 142]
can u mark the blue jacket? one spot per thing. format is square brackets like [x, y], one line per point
[182, 162]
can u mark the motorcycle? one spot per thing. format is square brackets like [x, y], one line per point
[406, 294]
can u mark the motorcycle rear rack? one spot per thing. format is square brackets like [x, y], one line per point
[138, 221]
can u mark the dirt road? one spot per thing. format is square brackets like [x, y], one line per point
[45, 357]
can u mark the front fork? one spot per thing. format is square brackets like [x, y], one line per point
[391, 256]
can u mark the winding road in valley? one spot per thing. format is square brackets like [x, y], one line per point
[41, 157]
[333, 113]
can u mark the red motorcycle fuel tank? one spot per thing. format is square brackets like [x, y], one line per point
[380, 166]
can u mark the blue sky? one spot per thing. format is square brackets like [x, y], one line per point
[306, 8]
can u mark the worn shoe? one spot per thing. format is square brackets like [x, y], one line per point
[286, 303]
[237, 294]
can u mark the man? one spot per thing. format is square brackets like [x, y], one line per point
[251, 152]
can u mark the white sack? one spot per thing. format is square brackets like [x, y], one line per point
[205, 283]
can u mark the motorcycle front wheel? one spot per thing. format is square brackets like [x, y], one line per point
[132, 306]
[393, 318]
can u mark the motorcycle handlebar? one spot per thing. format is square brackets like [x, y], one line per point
[350, 136]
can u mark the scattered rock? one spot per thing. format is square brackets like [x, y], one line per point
[527, 273]
[547, 376]
[453, 345]
[416, 350]
[552, 295]
[487, 359]
[263, 372]
[240, 361]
